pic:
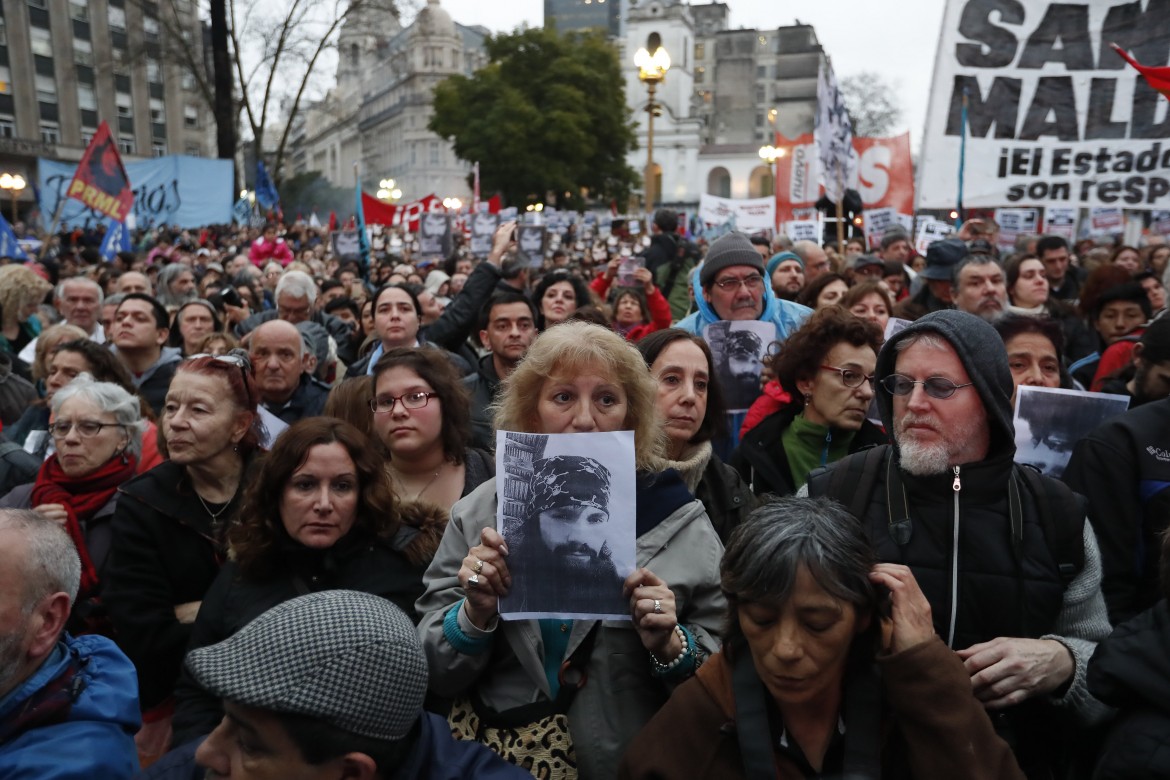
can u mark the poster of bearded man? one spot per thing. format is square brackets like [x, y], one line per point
[567, 512]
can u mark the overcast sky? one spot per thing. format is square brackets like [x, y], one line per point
[895, 38]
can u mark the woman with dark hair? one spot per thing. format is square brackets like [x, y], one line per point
[813, 680]
[823, 291]
[1027, 286]
[398, 316]
[557, 296]
[869, 301]
[691, 405]
[637, 310]
[1034, 349]
[421, 414]
[319, 515]
[827, 366]
[1126, 257]
[168, 530]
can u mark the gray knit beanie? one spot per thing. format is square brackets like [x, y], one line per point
[729, 250]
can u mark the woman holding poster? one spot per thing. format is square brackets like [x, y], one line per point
[562, 698]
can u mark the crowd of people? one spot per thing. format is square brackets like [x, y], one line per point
[248, 521]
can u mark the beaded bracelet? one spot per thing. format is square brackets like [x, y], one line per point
[687, 652]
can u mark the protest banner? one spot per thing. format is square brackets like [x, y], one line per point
[435, 234]
[1061, 221]
[483, 228]
[884, 176]
[1014, 223]
[803, 230]
[186, 192]
[1160, 222]
[929, 231]
[1106, 221]
[877, 222]
[751, 214]
[1049, 421]
[346, 244]
[404, 215]
[1049, 114]
[100, 181]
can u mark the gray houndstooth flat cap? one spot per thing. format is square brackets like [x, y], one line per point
[350, 659]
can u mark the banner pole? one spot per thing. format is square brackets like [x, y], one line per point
[840, 230]
[52, 229]
[962, 156]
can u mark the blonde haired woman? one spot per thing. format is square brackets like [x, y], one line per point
[575, 378]
[21, 292]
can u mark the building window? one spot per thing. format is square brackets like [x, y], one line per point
[50, 133]
[157, 110]
[700, 74]
[699, 51]
[79, 10]
[158, 150]
[86, 97]
[191, 117]
[117, 17]
[194, 150]
[37, 3]
[82, 51]
[126, 145]
[150, 28]
[46, 89]
[188, 81]
[125, 105]
[40, 41]
[3, 32]
[87, 134]
[761, 71]
[761, 94]
[7, 127]
[153, 71]
[5, 80]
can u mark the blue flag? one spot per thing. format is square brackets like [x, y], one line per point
[265, 191]
[242, 212]
[9, 247]
[363, 239]
[117, 240]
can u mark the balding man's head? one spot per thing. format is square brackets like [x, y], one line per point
[278, 358]
[816, 262]
[135, 282]
[40, 574]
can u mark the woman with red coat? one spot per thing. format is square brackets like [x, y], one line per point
[637, 310]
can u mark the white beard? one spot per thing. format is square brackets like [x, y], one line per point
[923, 460]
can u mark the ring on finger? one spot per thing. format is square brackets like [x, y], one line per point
[478, 566]
[473, 580]
[657, 607]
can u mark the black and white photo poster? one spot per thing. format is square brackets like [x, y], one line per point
[566, 509]
[1049, 421]
[739, 348]
[483, 230]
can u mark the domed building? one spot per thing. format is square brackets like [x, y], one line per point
[378, 113]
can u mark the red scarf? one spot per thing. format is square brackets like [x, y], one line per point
[82, 497]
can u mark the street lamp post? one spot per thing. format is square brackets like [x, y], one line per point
[772, 155]
[388, 190]
[14, 185]
[652, 62]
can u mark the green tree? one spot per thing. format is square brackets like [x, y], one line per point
[872, 103]
[547, 114]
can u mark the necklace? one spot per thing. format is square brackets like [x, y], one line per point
[214, 515]
[419, 494]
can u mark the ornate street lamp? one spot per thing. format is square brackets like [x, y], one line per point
[652, 63]
[15, 185]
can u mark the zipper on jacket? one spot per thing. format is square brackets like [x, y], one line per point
[956, 487]
[825, 451]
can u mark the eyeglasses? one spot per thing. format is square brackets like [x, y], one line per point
[935, 386]
[87, 429]
[384, 404]
[230, 359]
[753, 282]
[850, 377]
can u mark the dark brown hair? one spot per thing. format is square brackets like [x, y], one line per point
[434, 367]
[808, 296]
[350, 401]
[801, 355]
[253, 537]
[714, 423]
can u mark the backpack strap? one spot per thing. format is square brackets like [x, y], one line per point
[1062, 517]
[851, 480]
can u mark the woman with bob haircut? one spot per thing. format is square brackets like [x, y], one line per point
[575, 378]
[558, 295]
[830, 667]
[318, 515]
[690, 403]
[827, 368]
[421, 413]
[869, 301]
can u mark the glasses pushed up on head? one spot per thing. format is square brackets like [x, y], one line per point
[935, 386]
[851, 377]
[87, 429]
[384, 404]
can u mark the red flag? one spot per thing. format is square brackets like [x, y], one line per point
[494, 204]
[1158, 78]
[378, 213]
[101, 182]
[332, 221]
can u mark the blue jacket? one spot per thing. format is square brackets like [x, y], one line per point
[785, 315]
[437, 756]
[95, 737]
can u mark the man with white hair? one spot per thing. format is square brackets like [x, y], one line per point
[79, 300]
[68, 705]
[284, 372]
[296, 292]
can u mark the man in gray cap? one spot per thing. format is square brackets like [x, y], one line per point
[326, 685]
[933, 285]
